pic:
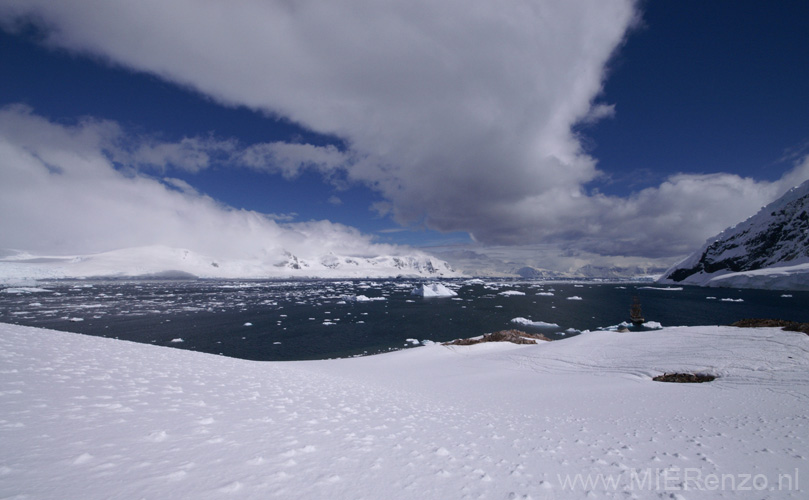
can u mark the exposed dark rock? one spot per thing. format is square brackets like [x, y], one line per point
[513, 336]
[777, 235]
[790, 326]
[685, 378]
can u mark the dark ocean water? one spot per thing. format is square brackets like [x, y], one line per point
[283, 320]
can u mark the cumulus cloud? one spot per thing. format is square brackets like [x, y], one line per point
[459, 112]
[190, 153]
[61, 191]
[289, 159]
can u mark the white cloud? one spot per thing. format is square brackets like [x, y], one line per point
[190, 153]
[289, 159]
[599, 112]
[459, 112]
[60, 192]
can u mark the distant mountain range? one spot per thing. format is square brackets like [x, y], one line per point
[591, 271]
[769, 250]
[177, 263]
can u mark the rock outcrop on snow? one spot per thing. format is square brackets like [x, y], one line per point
[769, 250]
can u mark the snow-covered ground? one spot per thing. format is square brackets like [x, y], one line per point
[91, 418]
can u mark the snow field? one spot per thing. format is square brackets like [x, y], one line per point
[90, 417]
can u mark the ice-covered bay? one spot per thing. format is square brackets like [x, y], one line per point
[90, 417]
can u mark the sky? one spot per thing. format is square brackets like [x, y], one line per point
[495, 135]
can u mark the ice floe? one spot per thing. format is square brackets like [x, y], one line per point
[538, 324]
[433, 290]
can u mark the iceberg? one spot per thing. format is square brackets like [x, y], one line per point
[538, 324]
[433, 290]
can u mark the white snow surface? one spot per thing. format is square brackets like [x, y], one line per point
[433, 290]
[97, 418]
[168, 262]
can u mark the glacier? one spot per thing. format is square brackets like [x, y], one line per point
[161, 262]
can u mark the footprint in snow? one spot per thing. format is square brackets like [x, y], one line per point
[441, 452]
[157, 436]
[82, 459]
[233, 487]
[177, 476]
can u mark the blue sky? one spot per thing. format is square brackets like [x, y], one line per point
[556, 138]
[708, 87]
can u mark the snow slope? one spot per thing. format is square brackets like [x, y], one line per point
[769, 250]
[160, 261]
[92, 418]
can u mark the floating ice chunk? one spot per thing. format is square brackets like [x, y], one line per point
[508, 293]
[248, 324]
[360, 298]
[732, 300]
[545, 294]
[433, 290]
[575, 297]
[786, 295]
[25, 289]
[613, 328]
[177, 340]
[413, 341]
[538, 324]
[75, 320]
[653, 324]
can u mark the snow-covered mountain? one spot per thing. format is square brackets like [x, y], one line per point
[768, 250]
[591, 272]
[165, 262]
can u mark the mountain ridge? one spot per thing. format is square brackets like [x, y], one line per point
[178, 263]
[768, 250]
